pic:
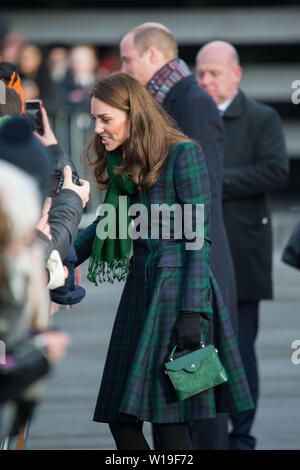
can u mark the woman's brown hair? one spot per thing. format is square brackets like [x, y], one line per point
[152, 133]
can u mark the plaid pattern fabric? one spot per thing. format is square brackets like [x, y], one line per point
[165, 78]
[165, 279]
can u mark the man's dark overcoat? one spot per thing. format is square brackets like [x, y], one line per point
[255, 165]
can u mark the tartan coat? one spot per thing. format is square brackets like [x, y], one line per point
[197, 115]
[165, 279]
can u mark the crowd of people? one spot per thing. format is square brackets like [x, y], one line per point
[38, 227]
[162, 135]
[59, 75]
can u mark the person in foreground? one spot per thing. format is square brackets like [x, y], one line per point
[170, 296]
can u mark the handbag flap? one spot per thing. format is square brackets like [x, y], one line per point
[190, 362]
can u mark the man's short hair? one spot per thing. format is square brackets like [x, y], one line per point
[145, 36]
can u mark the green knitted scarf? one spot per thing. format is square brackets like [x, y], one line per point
[110, 256]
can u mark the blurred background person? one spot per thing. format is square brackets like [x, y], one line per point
[11, 47]
[4, 27]
[30, 62]
[31, 90]
[57, 66]
[32, 67]
[57, 62]
[81, 75]
[110, 63]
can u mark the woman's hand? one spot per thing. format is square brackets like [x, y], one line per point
[190, 329]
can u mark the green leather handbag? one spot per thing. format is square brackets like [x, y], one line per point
[196, 371]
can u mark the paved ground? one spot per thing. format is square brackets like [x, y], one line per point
[64, 418]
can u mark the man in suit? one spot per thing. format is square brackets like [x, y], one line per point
[255, 164]
[150, 53]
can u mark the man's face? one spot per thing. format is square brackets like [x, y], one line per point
[217, 75]
[132, 62]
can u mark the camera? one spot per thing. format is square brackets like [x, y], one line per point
[58, 180]
[58, 173]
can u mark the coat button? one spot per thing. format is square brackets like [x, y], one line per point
[265, 220]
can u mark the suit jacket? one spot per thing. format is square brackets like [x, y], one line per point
[255, 165]
[198, 117]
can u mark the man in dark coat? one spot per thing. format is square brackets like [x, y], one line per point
[255, 164]
[150, 53]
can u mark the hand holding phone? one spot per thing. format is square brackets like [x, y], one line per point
[33, 109]
[48, 136]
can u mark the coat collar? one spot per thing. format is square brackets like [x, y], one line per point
[237, 107]
[176, 92]
[166, 78]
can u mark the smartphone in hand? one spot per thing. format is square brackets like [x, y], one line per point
[33, 109]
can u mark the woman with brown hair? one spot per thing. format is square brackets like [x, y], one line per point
[170, 295]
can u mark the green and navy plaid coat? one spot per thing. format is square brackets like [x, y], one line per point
[165, 279]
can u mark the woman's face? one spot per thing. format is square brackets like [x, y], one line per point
[111, 124]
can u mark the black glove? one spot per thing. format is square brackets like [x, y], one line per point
[190, 329]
